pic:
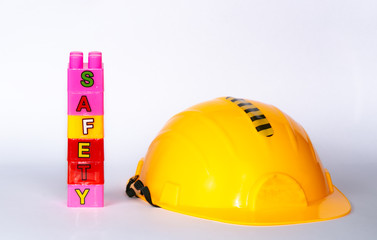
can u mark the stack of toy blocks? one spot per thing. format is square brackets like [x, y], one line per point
[85, 131]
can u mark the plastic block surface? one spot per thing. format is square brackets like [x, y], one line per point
[84, 77]
[88, 103]
[85, 172]
[85, 195]
[78, 80]
[85, 150]
[85, 127]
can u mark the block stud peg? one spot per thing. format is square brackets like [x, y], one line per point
[95, 60]
[76, 60]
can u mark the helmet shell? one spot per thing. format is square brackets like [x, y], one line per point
[212, 162]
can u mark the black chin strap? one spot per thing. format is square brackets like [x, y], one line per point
[139, 186]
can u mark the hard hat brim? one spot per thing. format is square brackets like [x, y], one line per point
[333, 206]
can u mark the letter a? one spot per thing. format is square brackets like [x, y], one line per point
[84, 103]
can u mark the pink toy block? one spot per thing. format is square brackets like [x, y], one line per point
[84, 77]
[85, 195]
[89, 103]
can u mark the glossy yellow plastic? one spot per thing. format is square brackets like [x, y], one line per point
[210, 162]
[85, 127]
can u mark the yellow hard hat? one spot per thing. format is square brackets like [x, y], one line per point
[237, 161]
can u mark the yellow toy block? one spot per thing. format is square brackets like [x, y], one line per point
[85, 127]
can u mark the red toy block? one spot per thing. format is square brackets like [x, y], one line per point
[85, 172]
[85, 150]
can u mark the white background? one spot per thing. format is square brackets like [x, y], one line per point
[315, 60]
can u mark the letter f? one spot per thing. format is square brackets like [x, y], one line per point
[87, 123]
